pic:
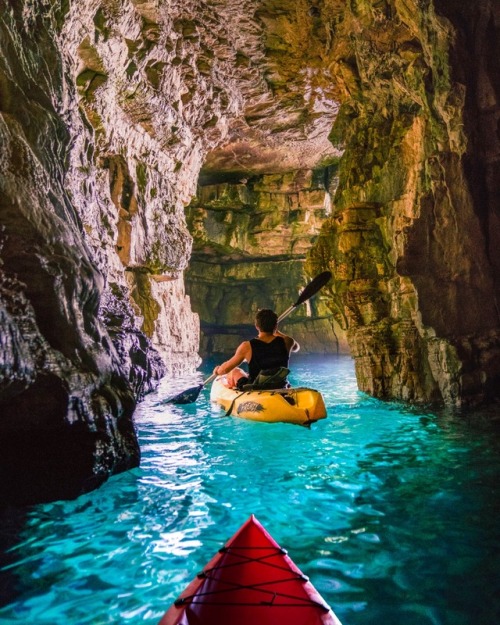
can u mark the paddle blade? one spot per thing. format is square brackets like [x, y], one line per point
[186, 397]
[191, 394]
[313, 287]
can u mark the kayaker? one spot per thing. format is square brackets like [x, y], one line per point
[270, 349]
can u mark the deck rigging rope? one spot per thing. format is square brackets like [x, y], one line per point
[206, 574]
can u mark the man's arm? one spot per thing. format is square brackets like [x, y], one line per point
[241, 354]
[290, 343]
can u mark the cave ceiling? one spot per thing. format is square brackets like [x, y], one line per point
[279, 78]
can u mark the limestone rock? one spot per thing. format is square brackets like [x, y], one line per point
[413, 225]
[250, 242]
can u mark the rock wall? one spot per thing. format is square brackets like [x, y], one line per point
[108, 110]
[97, 164]
[415, 216]
[251, 238]
[66, 405]
[261, 194]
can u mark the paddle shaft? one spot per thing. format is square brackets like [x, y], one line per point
[190, 395]
[311, 289]
[209, 379]
[286, 313]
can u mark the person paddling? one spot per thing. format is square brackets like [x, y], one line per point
[270, 350]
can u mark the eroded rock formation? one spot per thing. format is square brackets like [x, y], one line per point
[109, 109]
[413, 238]
[66, 404]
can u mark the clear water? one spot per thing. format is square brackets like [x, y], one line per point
[392, 512]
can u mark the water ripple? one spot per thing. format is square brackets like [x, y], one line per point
[391, 511]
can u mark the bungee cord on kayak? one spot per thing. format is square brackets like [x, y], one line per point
[258, 586]
[254, 580]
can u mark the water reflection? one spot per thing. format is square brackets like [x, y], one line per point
[391, 511]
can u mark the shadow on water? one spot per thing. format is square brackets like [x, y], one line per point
[391, 511]
[12, 521]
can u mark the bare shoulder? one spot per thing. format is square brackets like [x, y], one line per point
[244, 348]
[288, 339]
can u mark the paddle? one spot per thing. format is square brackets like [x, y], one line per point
[191, 394]
[311, 289]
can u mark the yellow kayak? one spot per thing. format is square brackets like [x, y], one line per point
[301, 406]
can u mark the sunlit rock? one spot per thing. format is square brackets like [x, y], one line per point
[250, 242]
[412, 234]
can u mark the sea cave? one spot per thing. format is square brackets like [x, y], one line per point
[169, 167]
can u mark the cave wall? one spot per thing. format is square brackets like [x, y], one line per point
[415, 224]
[66, 406]
[99, 156]
[251, 237]
[108, 111]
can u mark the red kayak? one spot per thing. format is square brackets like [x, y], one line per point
[250, 581]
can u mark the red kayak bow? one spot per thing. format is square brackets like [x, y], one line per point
[250, 581]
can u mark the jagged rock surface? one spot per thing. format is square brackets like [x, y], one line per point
[251, 239]
[66, 406]
[415, 216]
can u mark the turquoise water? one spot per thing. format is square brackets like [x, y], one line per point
[393, 513]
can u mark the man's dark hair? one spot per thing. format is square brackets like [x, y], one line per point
[266, 320]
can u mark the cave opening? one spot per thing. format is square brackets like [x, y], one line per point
[251, 235]
[174, 170]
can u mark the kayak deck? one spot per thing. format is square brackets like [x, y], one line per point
[250, 581]
[301, 406]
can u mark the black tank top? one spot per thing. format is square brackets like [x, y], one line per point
[267, 355]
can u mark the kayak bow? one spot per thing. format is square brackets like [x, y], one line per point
[250, 581]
